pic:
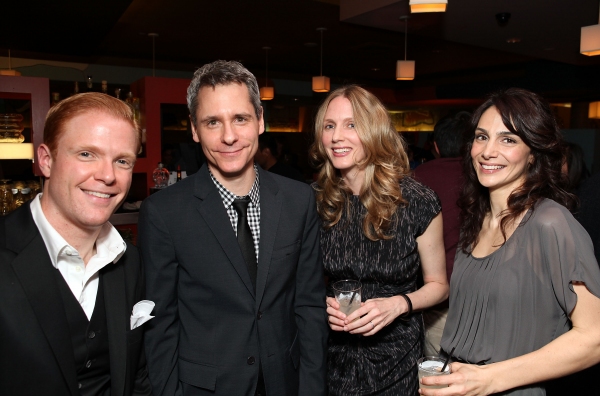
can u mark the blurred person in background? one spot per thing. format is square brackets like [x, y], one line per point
[267, 157]
[444, 176]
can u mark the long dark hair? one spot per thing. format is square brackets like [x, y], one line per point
[528, 116]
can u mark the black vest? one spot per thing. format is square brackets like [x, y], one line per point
[90, 341]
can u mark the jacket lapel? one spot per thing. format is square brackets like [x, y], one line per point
[212, 210]
[36, 274]
[270, 211]
[116, 308]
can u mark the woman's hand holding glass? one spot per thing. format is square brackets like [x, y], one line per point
[465, 380]
[372, 316]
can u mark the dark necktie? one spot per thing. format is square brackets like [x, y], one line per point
[244, 236]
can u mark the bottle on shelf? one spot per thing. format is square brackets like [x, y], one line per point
[89, 83]
[76, 88]
[129, 98]
[160, 176]
[136, 109]
[118, 93]
[178, 173]
[55, 98]
[6, 197]
[104, 87]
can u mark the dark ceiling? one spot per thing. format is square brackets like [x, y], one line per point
[461, 53]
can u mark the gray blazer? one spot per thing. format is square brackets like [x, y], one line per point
[211, 331]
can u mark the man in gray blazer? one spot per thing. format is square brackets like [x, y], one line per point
[239, 293]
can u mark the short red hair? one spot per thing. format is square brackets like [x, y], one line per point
[75, 105]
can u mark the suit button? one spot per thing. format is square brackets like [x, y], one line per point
[91, 334]
[88, 364]
[251, 360]
[259, 315]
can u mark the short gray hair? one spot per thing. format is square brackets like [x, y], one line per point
[222, 73]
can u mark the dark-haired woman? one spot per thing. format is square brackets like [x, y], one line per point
[524, 296]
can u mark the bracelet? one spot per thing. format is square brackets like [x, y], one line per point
[409, 303]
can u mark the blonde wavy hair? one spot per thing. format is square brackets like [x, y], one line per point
[385, 164]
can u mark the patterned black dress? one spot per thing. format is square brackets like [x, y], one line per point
[385, 363]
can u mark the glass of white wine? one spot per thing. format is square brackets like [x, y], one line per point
[348, 295]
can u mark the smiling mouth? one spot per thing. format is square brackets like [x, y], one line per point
[341, 150]
[97, 194]
[492, 167]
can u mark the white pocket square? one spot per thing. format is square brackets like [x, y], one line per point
[141, 313]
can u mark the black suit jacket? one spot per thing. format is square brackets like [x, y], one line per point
[36, 353]
[211, 330]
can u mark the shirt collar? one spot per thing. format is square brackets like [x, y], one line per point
[110, 246]
[228, 197]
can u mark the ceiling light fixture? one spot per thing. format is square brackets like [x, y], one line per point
[266, 92]
[594, 110]
[10, 71]
[154, 36]
[405, 70]
[321, 83]
[417, 6]
[590, 39]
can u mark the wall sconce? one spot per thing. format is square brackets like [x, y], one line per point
[405, 70]
[266, 92]
[321, 83]
[417, 6]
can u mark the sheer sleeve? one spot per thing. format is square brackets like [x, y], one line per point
[568, 254]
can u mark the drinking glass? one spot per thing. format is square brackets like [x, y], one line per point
[347, 293]
[432, 366]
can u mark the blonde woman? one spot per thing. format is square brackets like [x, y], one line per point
[380, 227]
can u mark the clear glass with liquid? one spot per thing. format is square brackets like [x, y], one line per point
[431, 366]
[348, 295]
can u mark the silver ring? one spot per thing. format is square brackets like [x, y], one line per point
[372, 325]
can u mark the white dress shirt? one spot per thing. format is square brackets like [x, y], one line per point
[82, 279]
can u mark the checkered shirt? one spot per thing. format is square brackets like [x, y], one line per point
[253, 207]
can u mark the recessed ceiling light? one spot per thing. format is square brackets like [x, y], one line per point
[513, 40]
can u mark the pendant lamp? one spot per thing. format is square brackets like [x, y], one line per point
[266, 92]
[594, 110]
[417, 6]
[321, 83]
[10, 71]
[154, 36]
[405, 70]
[590, 40]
